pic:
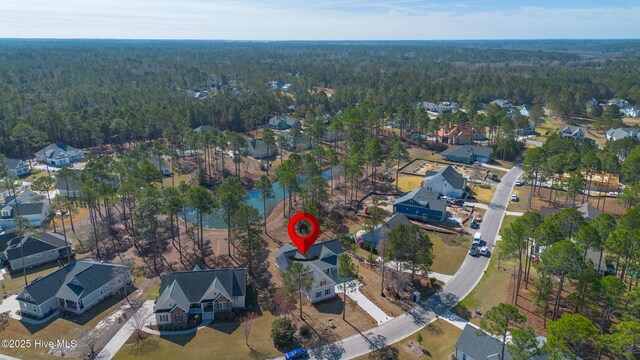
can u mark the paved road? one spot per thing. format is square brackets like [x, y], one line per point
[125, 331]
[465, 279]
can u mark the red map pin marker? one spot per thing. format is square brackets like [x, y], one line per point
[303, 243]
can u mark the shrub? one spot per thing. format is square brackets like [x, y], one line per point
[419, 339]
[282, 332]
[304, 330]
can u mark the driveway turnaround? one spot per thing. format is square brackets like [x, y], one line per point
[126, 330]
[465, 279]
[369, 307]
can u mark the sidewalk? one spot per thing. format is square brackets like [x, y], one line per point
[125, 332]
[369, 307]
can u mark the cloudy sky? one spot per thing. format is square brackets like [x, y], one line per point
[320, 19]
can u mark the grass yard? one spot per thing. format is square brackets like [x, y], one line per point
[177, 179]
[506, 222]
[14, 282]
[481, 194]
[522, 204]
[57, 329]
[409, 182]
[439, 340]
[492, 290]
[153, 292]
[220, 341]
[450, 251]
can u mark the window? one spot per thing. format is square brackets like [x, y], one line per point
[318, 294]
[464, 356]
[178, 318]
[222, 305]
[27, 297]
[164, 318]
[327, 292]
[35, 308]
[323, 282]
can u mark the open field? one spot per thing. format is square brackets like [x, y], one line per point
[506, 222]
[481, 194]
[409, 182]
[450, 251]
[439, 340]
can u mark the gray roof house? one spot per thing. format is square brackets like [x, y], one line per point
[200, 292]
[623, 132]
[203, 128]
[59, 154]
[447, 182]
[160, 164]
[475, 344]
[70, 188]
[257, 149]
[75, 288]
[421, 204]
[573, 132]
[283, 122]
[324, 269]
[467, 154]
[29, 251]
[16, 167]
[25, 205]
[503, 103]
[381, 232]
[588, 211]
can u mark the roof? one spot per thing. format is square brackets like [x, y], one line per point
[288, 120]
[502, 103]
[36, 244]
[451, 176]
[203, 128]
[10, 163]
[481, 346]
[56, 150]
[467, 151]
[159, 163]
[25, 209]
[75, 183]
[587, 210]
[573, 130]
[327, 253]
[73, 282]
[258, 148]
[186, 287]
[428, 199]
[594, 256]
[623, 132]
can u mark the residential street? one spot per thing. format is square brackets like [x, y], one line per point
[465, 279]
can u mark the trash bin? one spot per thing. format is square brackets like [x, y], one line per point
[416, 296]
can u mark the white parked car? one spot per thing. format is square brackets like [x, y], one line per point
[484, 251]
[514, 197]
[518, 182]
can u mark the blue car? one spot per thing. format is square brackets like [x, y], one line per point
[296, 354]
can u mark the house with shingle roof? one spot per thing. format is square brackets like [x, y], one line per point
[257, 149]
[283, 122]
[381, 232]
[16, 167]
[76, 287]
[467, 154]
[203, 128]
[324, 269]
[447, 182]
[70, 188]
[421, 204]
[27, 251]
[573, 132]
[623, 132]
[206, 293]
[475, 344]
[26, 205]
[59, 154]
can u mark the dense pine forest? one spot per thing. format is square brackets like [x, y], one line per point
[90, 92]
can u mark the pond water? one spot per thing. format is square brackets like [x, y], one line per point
[214, 221]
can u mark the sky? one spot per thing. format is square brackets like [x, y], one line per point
[321, 19]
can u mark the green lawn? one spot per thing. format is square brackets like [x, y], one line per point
[523, 203]
[506, 222]
[448, 255]
[438, 341]
[409, 182]
[492, 290]
[219, 341]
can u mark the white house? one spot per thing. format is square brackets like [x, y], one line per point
[25, 205]
[475, 344]
[447, 182]
[16, 167]
[621, 133]
[59, 154]
[633, 112]
[75, 287]
[200, 292]
[323, 270]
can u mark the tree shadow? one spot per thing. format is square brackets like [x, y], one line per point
[181, 340]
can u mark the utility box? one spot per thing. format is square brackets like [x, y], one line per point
[416, 296]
